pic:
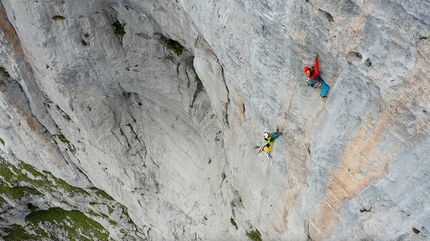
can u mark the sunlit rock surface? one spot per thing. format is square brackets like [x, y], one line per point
[96, 93]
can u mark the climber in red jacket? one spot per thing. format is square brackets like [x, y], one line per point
[313, 72]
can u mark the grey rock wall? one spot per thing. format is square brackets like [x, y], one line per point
[93, 93]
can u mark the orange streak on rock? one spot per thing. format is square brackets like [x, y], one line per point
[365, 160]
[9, 33]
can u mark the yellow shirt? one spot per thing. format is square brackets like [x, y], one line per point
[267, 148]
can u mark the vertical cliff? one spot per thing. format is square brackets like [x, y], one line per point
[143, 119]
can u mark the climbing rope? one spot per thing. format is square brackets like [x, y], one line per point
[282, 122]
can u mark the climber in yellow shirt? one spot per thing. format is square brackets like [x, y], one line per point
[270, 139]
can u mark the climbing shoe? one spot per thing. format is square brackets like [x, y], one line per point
[324, 97]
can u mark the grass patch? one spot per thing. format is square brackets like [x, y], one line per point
[76, 224]
[104, 195]
[17, 192]
[57, 223]
[72, 225]
[11, 174]
[416, 231]
[32, 171]
[1, 141]
[17, 232]
[4, 73]
[175, 46]
[62, 138]
[84, 43]
[69, 188]
[233, 223]
[110, 209]
[198, 79]
[119, 29]
[86, 35]
[58, 17]
[254, 235]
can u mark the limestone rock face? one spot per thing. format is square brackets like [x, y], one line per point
[102, 95]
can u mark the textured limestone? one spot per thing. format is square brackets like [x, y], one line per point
[127, 115]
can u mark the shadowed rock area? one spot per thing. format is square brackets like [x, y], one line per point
[144, 120]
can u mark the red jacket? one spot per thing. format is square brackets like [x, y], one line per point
[316, 69]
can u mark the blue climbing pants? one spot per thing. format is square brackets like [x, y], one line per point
[275, 135]
[323, 86]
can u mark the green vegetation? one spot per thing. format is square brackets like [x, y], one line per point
[7, 183]
[84, 43]
[30, 169]
[198, 79]
[210, 160]
[66, 116]
[131, 127]
[254, 235]
[119, 29]
[75, 224]
[63, 139]
[19, 233]
[355, 54]
[18, 192]
[416, 231]
[176, 47]
[233, 223]
[365, 210]
[69, 188]
[46, 181]
[2, 201]
[4, 73]
[86, 35]
[110, 209]
[20, 180]
[1, 141]
[103, 194]
[23, 180]
[58, 17]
